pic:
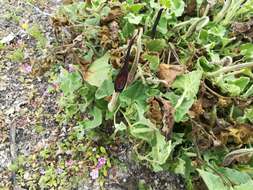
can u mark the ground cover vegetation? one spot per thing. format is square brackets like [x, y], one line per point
[170, 79]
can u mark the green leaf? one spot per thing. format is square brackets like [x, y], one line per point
[248, 115]
[204, 64]
[249, 92]
[36, 32]
[247, 50]
[213, 182]
[160, 150]
[134, 93]
[69, 82]
[17, 55]
[245, 186]
[231, 85]
[106, 89]
[143, 128]
[98, 71]
[119, 127]
[163, 26]
[182, 110]
[153, 60]
[156, 45]
[133, 19]
[241, 82]
[142, 132]
[136, 7]
[188, 83]
[235, 176]
[177, 6]
[188, 86]
[165, 3]
[97, 120]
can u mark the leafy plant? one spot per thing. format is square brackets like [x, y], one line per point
[169, 78]
[17, 55]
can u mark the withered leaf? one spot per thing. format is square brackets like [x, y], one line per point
[114, 14]
[117, 57]
[170, 72]
[161, 112]
[168, 119]
[241, 156]
[242, 27]
[197, 108]
[240, 134]
[154, 113]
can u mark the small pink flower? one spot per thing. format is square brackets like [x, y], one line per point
[101, 162]
[69, 163]
[55, 85]
[94, 173]
[26, 68]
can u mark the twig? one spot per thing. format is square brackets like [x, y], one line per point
[172, 48]
[13, 151]
[230, 68]
[215, 93]
[168, 59]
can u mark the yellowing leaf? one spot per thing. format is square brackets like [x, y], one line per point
[170, 72]
[98, 71]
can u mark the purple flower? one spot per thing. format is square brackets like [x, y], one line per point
[94, 173]
[101, 162]
[71, 68]
[26, 68]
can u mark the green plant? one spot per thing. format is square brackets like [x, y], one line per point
[172, 82]
[17, 55]
[35, 32]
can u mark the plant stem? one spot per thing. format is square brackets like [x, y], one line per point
[230, 68]
[223, 11]
[113, 102]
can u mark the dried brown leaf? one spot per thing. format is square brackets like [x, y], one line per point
[197, 109]
[109, 37]
[242, 27]
[114, 14]
[117, 57]
[168, 119]
[170, 72]
[161, 113]
[154, 113]
[241, 134]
